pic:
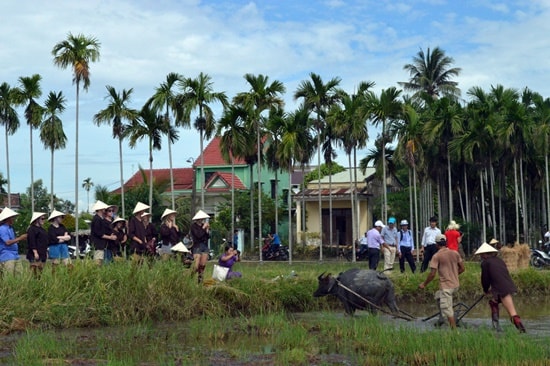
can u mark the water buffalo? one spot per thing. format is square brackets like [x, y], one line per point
[354, 286]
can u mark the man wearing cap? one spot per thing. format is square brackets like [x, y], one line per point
[200, 233]
[374, 243]
[58, 240]
[136, 232]
[100, 231]
[391, 239]
[9, 250]
[496, 280]
[449, 265]
[428, 242]
[406, 245]
[37, 242]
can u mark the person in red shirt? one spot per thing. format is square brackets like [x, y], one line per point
[453, 235]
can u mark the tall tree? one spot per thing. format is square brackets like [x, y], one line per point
[87, 184]
[431, 73]
[10, 120]
[164, 98]
[77, 52]
[51, 132]
[387, 108]
[319, 97]
[150, 126]
[28, 91]
[198, 94]
[116, 112]
[262, 96]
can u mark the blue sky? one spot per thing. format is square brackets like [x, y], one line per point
[494, 42]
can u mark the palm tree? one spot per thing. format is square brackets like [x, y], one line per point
[262, 96]
[51, 131]
[164, 98]
[318, 97]
[77, 52]
[431, 73]
[198, 94]
[87, 184]
[386, 108]
[26, 94]
[116, 112]
[152, 126]
[10, 121]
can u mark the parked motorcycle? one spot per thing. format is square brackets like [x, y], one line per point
[84, 250]
[540, 258]
[359, 255]
[280, 254]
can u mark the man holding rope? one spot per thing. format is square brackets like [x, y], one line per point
[449, 265]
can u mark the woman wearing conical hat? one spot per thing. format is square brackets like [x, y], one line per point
[169, 232]
[136, 232]
[37, 242]
[100, 231]
[200, 233]
[58, 239]
[9, 249]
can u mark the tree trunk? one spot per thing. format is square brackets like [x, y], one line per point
[384, 183]
[516, 193]
[319, 195]
[150, 176]
[77, 214]
[8, 168]
[201, 178]
[451, 214]
[289, 204]
[354, 234]
[481, 184]
[121, 177]
[259, 167]
[51, 182]
[32, 169]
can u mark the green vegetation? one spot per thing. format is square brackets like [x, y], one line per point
[229, 317]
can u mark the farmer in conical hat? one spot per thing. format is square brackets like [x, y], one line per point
[9, 249]
[200, 233]
[495, 279]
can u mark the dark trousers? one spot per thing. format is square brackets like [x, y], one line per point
[374, 258]
[429, 251]
[406, 254]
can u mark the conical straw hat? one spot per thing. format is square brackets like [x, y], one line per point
[140, 207]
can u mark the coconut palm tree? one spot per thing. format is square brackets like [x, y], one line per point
[151, 126]
[319, 97]
[198, 94]
[164, 98]
[87, 184]
[10, 120]
[262, 96]
[77, 52]
[387, 108]
[431, 73]
[51, 131]
[116, 112]
[26, 94]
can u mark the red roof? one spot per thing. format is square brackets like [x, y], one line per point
[226, 178]
[183, 178]
[213, 155]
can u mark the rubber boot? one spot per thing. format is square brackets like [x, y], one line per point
[495, 315]
[516, 320]
[200, 272]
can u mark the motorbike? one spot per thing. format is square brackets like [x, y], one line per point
[268, 254]
[84, 250]
[359, 255]
[540, 258]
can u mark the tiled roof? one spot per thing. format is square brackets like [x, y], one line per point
[213, 156]
[183, 178]
[226, 178]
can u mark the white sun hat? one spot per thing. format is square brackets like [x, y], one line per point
[118, 219]
[379, 223]
[180, 247]
[404, 222]
[485, 248]
[100, 205]
[167, 212]
[140, 207]
[7, 213]
[36, 216]
[55, 214]
[201, 215]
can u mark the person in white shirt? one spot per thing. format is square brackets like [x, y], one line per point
[391, 240]
[428, 242]
[375, 242]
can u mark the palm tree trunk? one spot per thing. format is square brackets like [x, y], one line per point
[416, 231]
[289, 204]
[484, 224]
[201, 179]
[330, 205]
[252, 209]
[319, 194]
[449, 184]
[51, 183]
[277, 199]
[303, 226]
[32, 170]
[466, 195]
[233, 198]
[171, 174]
[259, 168]
[150, 176]
[493, 209]
[516, 193]
[76, 170]
[8, 168]
[523, 202]
[384, 183]
[547, 191]
[121, 177]
[354, 235]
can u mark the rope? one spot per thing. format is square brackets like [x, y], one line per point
[408, 318]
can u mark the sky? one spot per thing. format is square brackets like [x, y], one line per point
[493, 42]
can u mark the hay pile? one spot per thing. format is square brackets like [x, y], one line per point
[516, 257]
